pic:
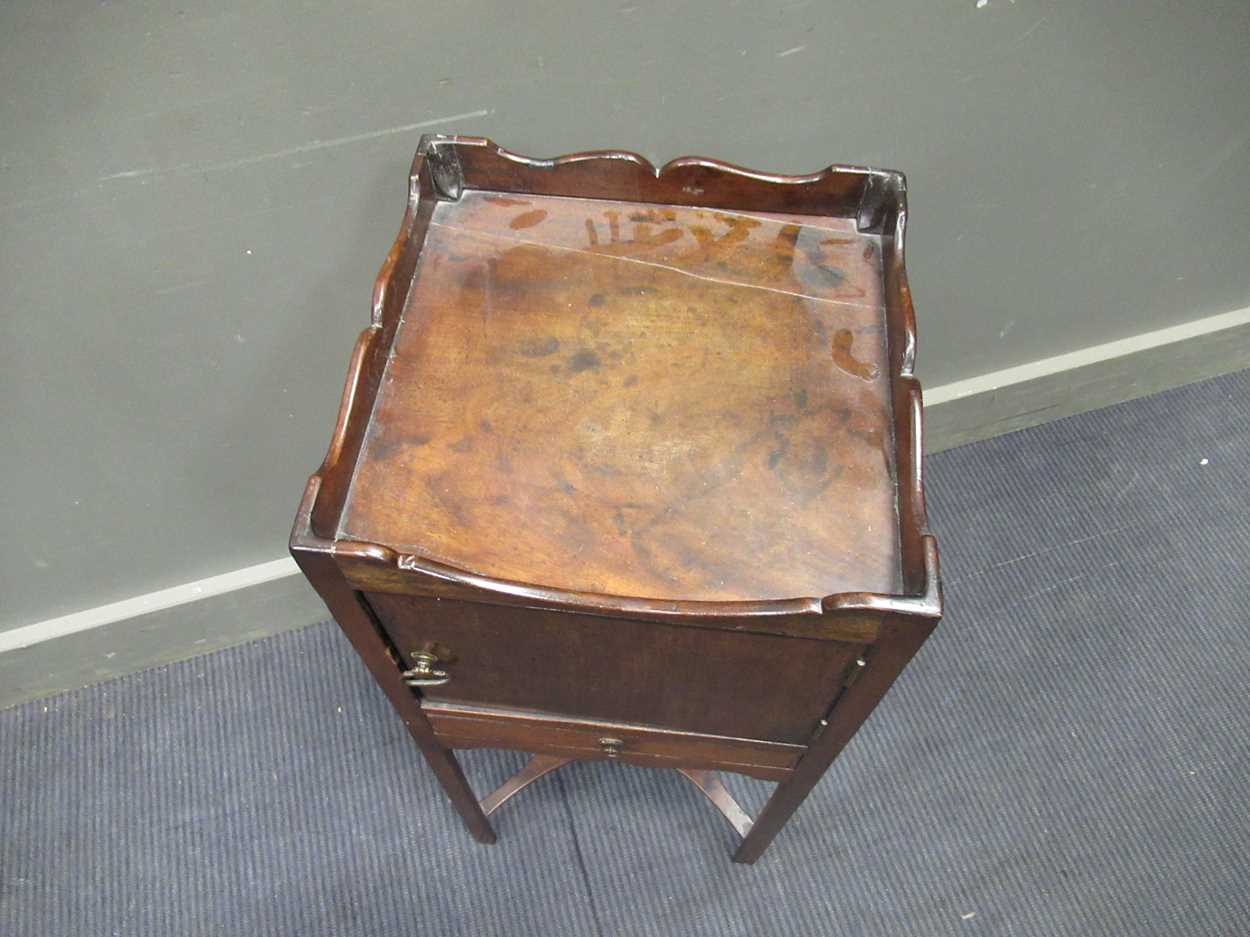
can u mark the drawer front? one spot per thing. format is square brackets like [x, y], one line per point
[459, 726]
[702, 680]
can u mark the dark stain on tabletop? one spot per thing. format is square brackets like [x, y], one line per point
[442, 491]
[384, 448]
[775, 457]
[833, 275]
[539, 347]
[584, 360]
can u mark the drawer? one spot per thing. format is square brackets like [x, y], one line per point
[690, 679]
[460, 726]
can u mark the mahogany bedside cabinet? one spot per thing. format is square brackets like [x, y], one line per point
[628, 466]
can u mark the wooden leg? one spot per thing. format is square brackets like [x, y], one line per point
[382, 660]
[537, 767]
[456, 786]
[900, 639]
[780, 807]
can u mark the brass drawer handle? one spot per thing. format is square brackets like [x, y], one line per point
[611, 747]
[424, 673]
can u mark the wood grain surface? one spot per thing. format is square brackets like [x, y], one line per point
[652, 401]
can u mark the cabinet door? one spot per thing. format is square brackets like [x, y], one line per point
[694, 679]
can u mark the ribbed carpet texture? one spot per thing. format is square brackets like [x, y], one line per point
[1069, 754]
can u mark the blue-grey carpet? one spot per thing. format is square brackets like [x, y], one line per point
[1069, 754]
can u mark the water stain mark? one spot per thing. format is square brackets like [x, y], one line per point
[643, 235]
[584, 360]
[775, 457]
[843, 357]
[539, 347]
[832, 274]
[653, 216]
[384, 449]
[527, 219]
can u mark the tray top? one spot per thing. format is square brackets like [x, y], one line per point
[638, 400]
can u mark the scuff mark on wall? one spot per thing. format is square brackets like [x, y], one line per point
[291, 151]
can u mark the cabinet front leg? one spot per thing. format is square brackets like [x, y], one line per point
[375, 650]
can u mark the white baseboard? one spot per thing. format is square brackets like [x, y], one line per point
[157, 628]
[1082, 357]
[244, 604]
[146, 604]
[1086, 379]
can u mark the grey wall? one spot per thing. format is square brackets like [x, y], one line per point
[193, 206]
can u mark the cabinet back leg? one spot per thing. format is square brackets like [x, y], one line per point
[899, 641]
[780, 807]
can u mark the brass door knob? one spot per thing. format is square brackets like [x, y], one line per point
[423, 672]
